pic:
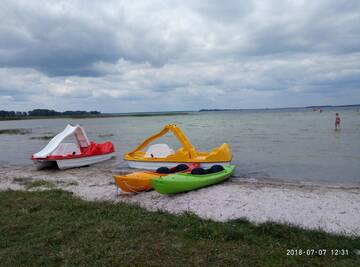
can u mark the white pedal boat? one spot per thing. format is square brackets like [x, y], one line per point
[72, 155]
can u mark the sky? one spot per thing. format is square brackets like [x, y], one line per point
[128, 56]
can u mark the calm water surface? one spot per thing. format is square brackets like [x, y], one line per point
[292, 145]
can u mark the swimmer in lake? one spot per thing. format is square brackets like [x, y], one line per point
[337, 121]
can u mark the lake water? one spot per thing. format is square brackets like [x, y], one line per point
[291, 145]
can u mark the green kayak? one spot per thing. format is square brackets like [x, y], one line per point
[182, 182]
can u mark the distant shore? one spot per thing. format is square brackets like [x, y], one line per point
[103, 115]
[283, 108]
[163, 113]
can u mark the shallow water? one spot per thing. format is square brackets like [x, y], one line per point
[292, 145]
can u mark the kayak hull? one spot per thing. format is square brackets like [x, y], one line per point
[177, 183]
[135, 182]
[140, 181]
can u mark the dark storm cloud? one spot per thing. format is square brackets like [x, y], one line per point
[64, 43]
[73, 38]
[318, 27]
[53, 44]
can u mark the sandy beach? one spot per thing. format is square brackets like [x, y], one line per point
[332, 209]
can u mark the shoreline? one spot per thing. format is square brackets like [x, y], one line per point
[268, 181]
[334, 209]
[170, 113]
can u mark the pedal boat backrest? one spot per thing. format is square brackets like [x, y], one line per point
[187, 147]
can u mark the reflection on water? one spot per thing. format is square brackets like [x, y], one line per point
[296, 145]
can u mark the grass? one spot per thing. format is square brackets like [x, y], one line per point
[53, 228]
[30, 183]
[39, 183]
[15, 131]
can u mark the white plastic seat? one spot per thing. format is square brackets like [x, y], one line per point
[159, 151]
[66, 149]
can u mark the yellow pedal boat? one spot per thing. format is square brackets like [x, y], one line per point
[140, 181]
[159, 155]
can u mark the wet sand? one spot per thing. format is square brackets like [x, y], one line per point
[330, 208]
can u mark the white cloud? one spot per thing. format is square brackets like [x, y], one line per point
[155, 55]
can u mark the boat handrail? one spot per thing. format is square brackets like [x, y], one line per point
[177, 133]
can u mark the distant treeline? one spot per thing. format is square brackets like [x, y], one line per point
[46, 113]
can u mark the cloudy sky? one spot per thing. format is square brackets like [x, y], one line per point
[125, 56]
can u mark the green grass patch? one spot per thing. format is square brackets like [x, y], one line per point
[52, 228]
[38, 183]
[19, 131]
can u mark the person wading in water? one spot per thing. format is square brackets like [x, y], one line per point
[337, 121]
